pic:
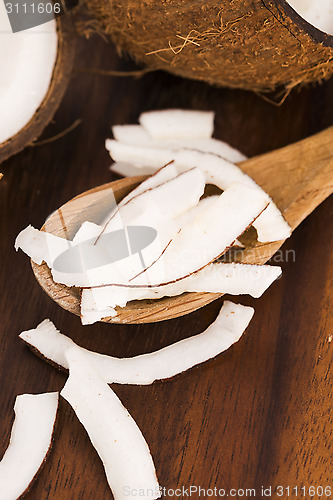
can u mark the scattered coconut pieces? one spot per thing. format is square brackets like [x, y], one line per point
[164, 231]
[215, 158]
[30, 442]
[112, 431]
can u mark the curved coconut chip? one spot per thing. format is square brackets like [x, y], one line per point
[235, 279]
[128, 170]
[144, 369]
[271, 226]
[112, 431]
[154, 208]
[170, 123]
[33, 125]
[30, 442]
[136, 135]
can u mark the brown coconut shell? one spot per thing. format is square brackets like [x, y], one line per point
[44, 114]
[257, 45]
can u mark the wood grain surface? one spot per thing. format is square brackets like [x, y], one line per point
[260, 415]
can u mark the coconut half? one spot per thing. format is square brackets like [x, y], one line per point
[112, 431]
[41, 57]
[165, 363]
[30, 442]
[250, 44]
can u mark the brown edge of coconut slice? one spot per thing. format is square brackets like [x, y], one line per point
[58, 85]
[30, 442]
[144, 369]
[111, 429]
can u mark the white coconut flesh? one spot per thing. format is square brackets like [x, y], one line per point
[135, 135]
[165, 363]
[271, 226]
[30, 441]
[111, 429]
[27, 60]
[170, 123]
[167, 200]
[194, 246]
[137, 146]
[41, 246]
[153, 209]
[163, 175]
[128, 170]
[235, 279]
[319, 13]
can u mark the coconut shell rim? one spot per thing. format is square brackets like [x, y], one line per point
[315, 33]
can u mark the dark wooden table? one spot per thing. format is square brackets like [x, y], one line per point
[259, 415]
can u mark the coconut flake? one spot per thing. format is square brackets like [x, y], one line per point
[144, 369]
[135, 135]
[219, 171]
[29, 442]
[41, 246]
[196, 245]
[112, 431]
[129, 170]
[235, 279]
[90, 264]
[170, 123]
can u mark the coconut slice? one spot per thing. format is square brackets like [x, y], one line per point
[136, 135]
[129, 170]
[217, 170]
[41, 246]
[87, 264]
[29, 444]
[113, 432]
[167, 199]
[235, 279]
[196, 245]
[165, 363]
[170, 123]
[158, 178]
[139, 156]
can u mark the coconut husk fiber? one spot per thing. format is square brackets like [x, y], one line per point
[60, 78]
[257, 45]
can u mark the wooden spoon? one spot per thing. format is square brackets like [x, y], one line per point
[297, 177]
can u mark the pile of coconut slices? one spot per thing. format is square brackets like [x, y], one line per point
[162, 239]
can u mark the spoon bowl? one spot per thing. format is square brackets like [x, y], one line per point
[298, 178]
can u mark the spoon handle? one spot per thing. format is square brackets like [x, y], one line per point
[298, 177]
